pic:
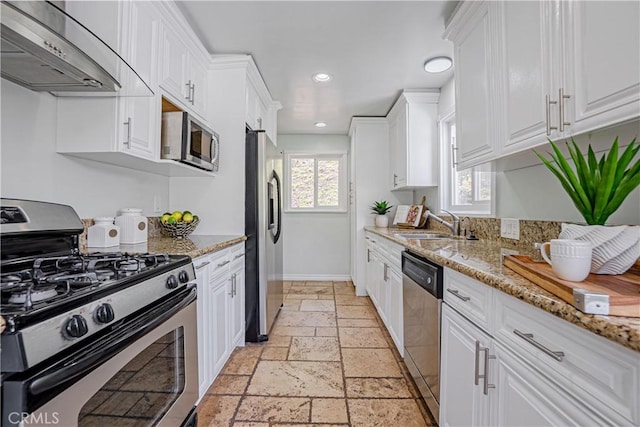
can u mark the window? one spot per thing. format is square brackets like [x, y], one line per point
[467, 191]
[316, 182]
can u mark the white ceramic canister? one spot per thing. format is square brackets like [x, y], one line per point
[133, 226]
[103, 234]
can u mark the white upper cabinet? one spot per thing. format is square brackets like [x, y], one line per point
[261, 110]
[128, 125]
[530, 74]
[529, 71]
[183, 73]
[473, 32]
[413, 140]
[602, 63]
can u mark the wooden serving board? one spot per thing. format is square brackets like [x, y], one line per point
[623, 290]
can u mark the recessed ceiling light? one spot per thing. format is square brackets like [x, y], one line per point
[320, 124]
[438, 64]
[321, 77]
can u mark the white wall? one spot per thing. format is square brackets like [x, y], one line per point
[219, 201]
[316, 245]
[31, 168]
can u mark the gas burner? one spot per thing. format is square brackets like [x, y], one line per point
[33, 295]
[127, 265]
[11, 281]
[104, 274]
[74, 279]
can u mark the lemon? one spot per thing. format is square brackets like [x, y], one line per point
[186, 212]
[164, 218]
[171, 220]
[177, 215]
[187, 217]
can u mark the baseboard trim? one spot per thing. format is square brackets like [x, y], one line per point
[317, 277]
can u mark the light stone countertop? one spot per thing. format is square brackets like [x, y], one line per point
[482, 260]
[194, 245]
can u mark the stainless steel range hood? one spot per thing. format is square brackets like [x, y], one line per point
[45, 49]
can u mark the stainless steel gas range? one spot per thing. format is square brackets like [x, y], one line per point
[100, 339]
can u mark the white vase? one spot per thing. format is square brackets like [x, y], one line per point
[615, 248]
[382, 221]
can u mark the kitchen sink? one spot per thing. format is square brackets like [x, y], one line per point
[423, 236]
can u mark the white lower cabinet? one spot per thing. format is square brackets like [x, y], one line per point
[507, 363]
[220, 310]
[384, 285]
[462, 398]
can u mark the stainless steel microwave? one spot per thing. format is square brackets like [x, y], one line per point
[186, 140]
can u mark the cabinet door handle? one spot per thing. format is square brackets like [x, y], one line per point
[395, 180]
[233, 285]
[487, 357]
[193, 93]
[222, 264]
[386, 276]
[548, 103]
[204, 264]
[454, 161]
[561, 99]
[127, 143]
[188, 97]
[457, 293]
[368, 255]
[476, 372]
[557, 355]
[238, 256]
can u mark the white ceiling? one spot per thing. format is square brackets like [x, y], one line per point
[373, 50]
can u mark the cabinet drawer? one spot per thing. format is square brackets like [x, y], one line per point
[219, 261]
[201, 264]
[470, 297]
[601, 374]
[236, 253]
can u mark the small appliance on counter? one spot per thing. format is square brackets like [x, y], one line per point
[133, 226]
[103, 234]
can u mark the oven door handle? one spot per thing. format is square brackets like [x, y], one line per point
[83, 366]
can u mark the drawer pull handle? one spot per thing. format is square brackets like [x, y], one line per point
[457, 293]
[222, 264]
[238, 256]
[204, 264]
[558, 355]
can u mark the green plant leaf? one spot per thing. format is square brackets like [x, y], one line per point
[571, 177]
[606, 184]
[628, 184]
[628, 155]
[586, 213]
[582, 169]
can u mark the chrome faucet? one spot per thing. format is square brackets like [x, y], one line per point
[454, 227]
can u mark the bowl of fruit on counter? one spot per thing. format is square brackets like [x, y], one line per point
[179, 224]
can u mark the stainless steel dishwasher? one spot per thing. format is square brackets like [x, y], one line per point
[422, 301]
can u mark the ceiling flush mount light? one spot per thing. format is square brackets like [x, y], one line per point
[321, 77]
[320, 124]
[438, 64]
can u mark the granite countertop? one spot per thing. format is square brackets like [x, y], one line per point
[482, 260]
[194, 245]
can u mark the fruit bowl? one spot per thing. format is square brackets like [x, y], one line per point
[180, 229]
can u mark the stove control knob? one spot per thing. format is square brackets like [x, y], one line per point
[172, 282]
[183, 277]
[76, 326]
[103, 314]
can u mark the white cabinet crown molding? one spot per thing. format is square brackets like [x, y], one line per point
[364, 120]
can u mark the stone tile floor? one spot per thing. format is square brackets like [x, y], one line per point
[329, 362]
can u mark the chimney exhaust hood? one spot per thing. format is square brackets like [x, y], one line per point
[44, 49]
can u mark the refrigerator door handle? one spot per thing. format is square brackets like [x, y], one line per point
[278, 202]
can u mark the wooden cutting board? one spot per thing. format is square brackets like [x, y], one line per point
[617, 295]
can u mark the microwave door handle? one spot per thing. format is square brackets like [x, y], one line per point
[213, 149]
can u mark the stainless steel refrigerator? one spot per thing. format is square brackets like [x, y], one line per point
[263, 227]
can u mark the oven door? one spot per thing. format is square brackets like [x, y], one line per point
[143, 373]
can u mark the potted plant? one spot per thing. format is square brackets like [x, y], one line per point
[381, 209]
[597, 189]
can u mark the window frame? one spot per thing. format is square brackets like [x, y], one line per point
[341, 156]
[447, 177]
